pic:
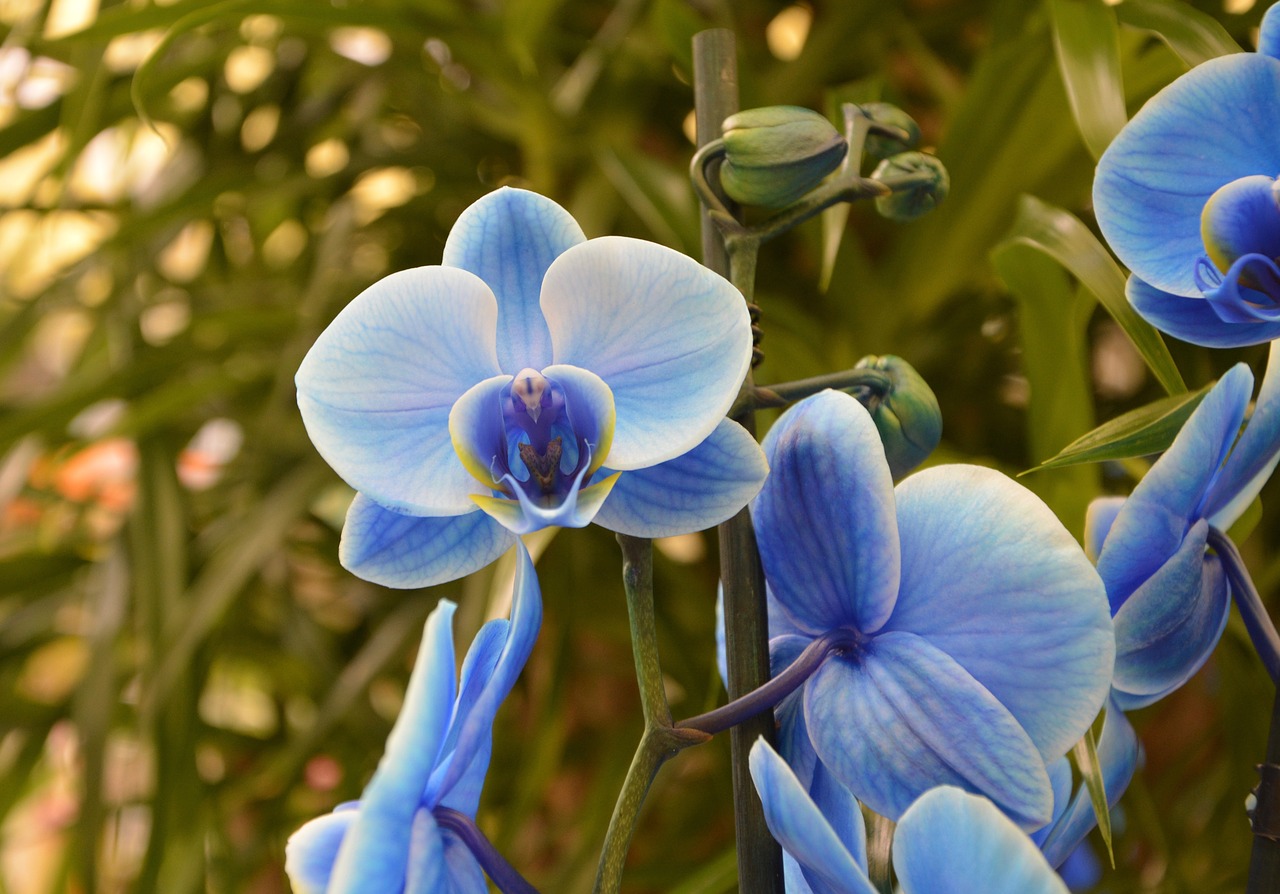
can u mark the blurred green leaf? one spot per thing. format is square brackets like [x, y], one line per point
[1195, 36]
[1086, 42]
[1053, 317]
[1064, 238]
[1140, 432]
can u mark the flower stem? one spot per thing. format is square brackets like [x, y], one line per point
[1264, 861]
[1262, 631]
[786, 393]
[767, 696]
[502, 873]
[715, 87]
[637, 580]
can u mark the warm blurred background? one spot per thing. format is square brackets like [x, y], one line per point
[190, 191]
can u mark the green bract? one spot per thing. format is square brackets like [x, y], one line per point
[774, 155]
[907, 417]
[881, 145]
[911, 200]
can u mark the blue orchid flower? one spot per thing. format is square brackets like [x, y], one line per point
[535, 378]
[1186, 195]
[980, 646]
[947, 842]
[1170, 597]
[398, 837]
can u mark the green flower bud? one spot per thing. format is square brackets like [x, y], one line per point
[880, 145]
[907, 415]
[776, 154]
[921, 184]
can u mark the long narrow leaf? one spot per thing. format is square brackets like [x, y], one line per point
[1194, 36]
[1086, 41]
[1064, 238]
[1086, 755]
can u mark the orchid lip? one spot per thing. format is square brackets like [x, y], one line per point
[544, 460]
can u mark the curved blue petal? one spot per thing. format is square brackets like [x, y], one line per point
[1242, 218]
[526, 619]
[406, 551]
[1153, 522]
[1060, 779]
[462, 874]
[904, 717]
[952, 842]
[1098, 519]
[671, 339]
[477, 669]
[1246, 293]
[1269, 33]
[376, 388]
[310, 852]
[842, 811]
[374, 856]
[590, 407]
[1193, 319]
[523, 516]
[692, 492]
[1118, 757]
[426, 856]
[801, 829]
[1166, 630]
[509, 238]
[825, 517]
[1254, 456]
[1211, 126]
[477, 432]
[991, 578]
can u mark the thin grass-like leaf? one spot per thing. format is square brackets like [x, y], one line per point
[1195, 36]
[1086, 42]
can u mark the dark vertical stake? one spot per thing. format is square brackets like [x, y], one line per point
[1264, 861]
[715, 86]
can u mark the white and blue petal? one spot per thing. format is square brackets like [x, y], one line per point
[952, 842]
[825, 517]
[993, 579]
[406, 551]
[670, 338]
[310, 853]
[376, 388]
[1206, 129]
[477, 670]
[509, 238]
[1098, 519]
[374, 855]
[695, 491]
[902, 717]
[799, 826]
[476, 725]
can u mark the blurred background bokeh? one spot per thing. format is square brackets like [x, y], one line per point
[190, 191]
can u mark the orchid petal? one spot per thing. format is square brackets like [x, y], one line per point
[952, 842]
[671, 339]
[526, 619]
[376, 388]
[523, 516]
[310, 853]
[692, 492]
[406, 551]
[904, 717]
[1254, 456]
[991, 578]
[375, 852]
[1193, 319]
[477, 433]
[1166, 630]
[509, 238]
[801, 829]
[1153, 522]
[477, 670]
[462, 874]
[426, 856]
[1241, 218]
[1098, 519]
[1155, 177]
[828, 475]
[591, 409]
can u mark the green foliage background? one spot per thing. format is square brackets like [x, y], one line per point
[187, 673]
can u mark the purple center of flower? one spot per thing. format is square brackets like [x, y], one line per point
[1240, 226]
[544, 456]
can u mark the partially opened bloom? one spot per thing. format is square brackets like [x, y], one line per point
[436, 757]
[946, 842]
[1169, 596]
[981, 647]
[505, 390]
[1186, 195]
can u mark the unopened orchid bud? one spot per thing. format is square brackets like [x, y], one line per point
[774, 155]
[919, 184]
[907, 415]
[892, 131]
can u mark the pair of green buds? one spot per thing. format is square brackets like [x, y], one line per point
[775, 155]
